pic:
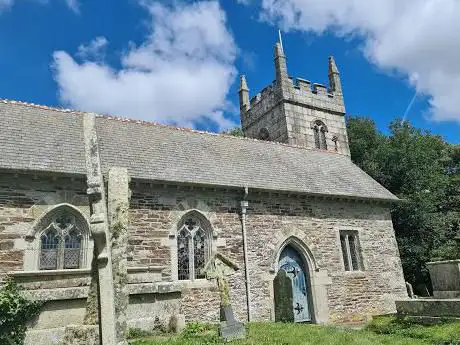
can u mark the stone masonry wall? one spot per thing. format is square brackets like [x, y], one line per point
[23, 199]
[352, 296]
[272, 118]
[155, 211]
[299, 121]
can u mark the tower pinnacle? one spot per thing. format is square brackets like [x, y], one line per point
[243, 84]
[282, 78]
[279, 50]
[335, 85]
[333, 66]
[244, 94]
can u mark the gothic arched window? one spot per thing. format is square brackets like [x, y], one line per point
[61, 243]
[193, 248]
[319, 132]
[264, 134]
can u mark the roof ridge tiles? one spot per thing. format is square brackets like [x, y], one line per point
[157, 124]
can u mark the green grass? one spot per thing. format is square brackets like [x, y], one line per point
[383, 331]
[446, 333]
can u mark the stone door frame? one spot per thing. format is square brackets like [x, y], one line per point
[318, 279]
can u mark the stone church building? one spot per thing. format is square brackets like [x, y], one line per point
[287, 197]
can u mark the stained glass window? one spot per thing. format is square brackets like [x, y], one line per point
[61, 244]
[183, 254]
[199, 243]
[72, 250]
[349, 243]
[192, 249]
[49, 250]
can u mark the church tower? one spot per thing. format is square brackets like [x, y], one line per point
[296, 112]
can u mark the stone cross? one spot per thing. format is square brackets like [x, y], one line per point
[100, 232]
[219, 267]
[118, 212]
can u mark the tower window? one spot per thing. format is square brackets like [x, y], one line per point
[319, 132]
[264, 134]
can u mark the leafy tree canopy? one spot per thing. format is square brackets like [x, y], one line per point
[236, 132]
[422, 170]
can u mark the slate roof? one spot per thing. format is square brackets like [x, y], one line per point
[39, 138]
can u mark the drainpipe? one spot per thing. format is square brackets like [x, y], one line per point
[244, 205]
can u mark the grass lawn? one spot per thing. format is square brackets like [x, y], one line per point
[381, 332]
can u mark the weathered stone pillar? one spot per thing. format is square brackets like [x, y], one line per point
[100, 232]
[118, 208]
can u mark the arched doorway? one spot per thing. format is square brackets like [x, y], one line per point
[294, 271]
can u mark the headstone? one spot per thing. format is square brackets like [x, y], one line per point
[445, 278]
[220, 267]
[282, 287]
[177, 323]
[410, 290]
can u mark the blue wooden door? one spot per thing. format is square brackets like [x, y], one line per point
[291, 262]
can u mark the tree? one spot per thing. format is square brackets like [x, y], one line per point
[366, 143]
[423, 171]
[15, 312]
[236, 132]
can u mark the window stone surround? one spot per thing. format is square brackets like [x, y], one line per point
[33, 241]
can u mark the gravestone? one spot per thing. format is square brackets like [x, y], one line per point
[410, 290]
[282, 288]
[220, 267]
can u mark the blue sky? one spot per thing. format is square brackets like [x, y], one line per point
[178, 61]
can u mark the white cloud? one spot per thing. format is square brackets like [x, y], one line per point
[94, 50]
[4, 4]
[73, 5]
[181, 73]
[416, 37]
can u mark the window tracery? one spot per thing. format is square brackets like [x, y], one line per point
[61, 243]
[319, 132]
[193, 246]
